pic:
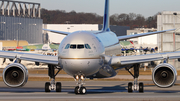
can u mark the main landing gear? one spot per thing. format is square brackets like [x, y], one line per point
[80, 89]
[52, 85]
[135, 87]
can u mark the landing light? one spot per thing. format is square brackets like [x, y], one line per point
[82, 77]
[77, 77]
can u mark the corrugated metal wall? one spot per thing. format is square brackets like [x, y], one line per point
[167, 20]
[13, 28]
[165, 40]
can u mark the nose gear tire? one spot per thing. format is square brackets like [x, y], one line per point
[130, 87]
[58, 87]
[47, 84]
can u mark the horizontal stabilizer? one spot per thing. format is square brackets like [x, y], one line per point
[142, 34]
[59, 32]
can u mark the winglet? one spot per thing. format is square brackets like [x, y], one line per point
[106, 17]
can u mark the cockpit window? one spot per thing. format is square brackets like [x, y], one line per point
[80, 46]
[73, 46]
[67, 46]
[87, 46]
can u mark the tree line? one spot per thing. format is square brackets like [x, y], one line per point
[132, 20]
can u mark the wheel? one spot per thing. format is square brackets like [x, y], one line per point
[83, 90]
[47, 84]
[130, 87]
[141, 87]
[58, 87]
[76, 90]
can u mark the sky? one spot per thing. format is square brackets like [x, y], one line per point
[146, 8]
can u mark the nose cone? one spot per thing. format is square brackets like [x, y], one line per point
[86, 67]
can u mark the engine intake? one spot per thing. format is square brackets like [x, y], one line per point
[15, 75]
[164, 75]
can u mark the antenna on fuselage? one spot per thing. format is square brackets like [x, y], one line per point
[106, 17]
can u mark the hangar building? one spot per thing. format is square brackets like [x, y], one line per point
[20, 21]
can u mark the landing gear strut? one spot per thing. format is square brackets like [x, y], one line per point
[52, 85]
[80, 89]
[135, 87]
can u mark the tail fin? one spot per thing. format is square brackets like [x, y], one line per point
[106, 17]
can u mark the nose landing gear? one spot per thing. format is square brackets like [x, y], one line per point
[80, 89]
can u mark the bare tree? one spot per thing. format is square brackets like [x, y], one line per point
[132, 20]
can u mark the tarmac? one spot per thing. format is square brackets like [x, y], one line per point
[96, 91]
[121, 77]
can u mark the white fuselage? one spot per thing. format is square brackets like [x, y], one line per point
[80, 52]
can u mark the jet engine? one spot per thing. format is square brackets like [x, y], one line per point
[164, 75]
[15, 75]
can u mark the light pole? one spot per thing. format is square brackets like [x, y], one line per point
[2, 30]
[150, 19]
[174, 33]
[3, 22]
[68, 28]
[33, 31]
[67, 22]
[174, 38]
[33, 24]
[17, 34]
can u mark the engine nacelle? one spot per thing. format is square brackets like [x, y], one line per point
[15, 75]
[164, 75]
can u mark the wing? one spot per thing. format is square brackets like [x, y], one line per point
[59, 32]
[30, 57]
[142, 34]
[127, 60]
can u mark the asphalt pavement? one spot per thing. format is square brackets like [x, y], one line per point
[96, 91]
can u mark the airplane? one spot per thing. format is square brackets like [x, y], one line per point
[91, 54]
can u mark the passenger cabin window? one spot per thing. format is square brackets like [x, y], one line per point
[73, 46]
